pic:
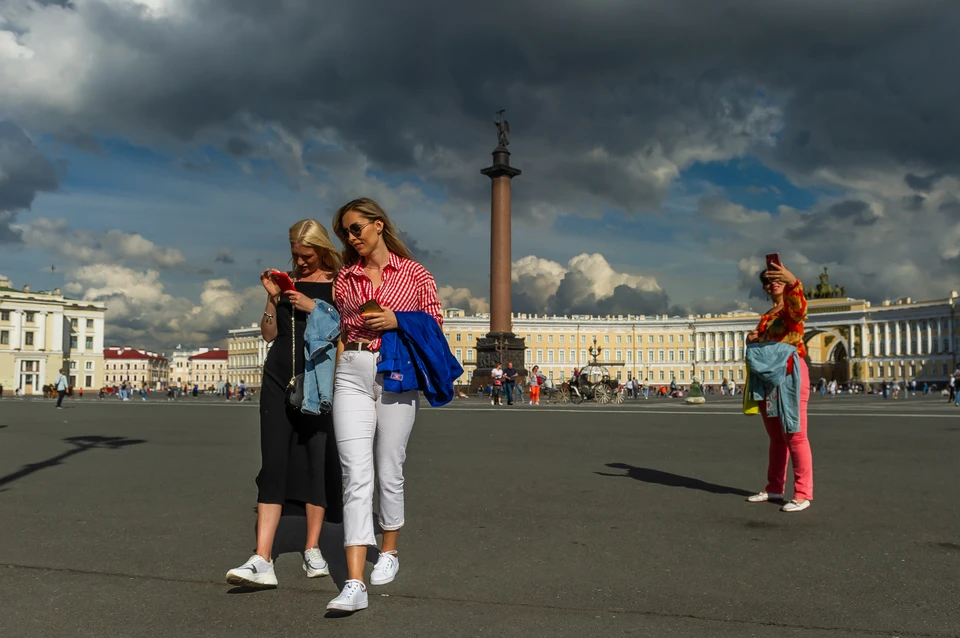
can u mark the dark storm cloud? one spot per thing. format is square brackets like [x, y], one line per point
[224, 256]
[24, 172]
[845, 216]
[606, 100]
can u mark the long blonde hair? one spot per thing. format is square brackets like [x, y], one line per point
[311, 233]
[371, 211]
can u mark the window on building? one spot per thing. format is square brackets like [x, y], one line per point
[670, 356]
[88, 381]
[4, 315]
[583, 338]
[561, 338]
[89, 324]
[660, 356]
[31, 317]
[682, 377]
[629, 356]
[650, 356]
[5, 337]
[606, 355]
[681, 353]
[619, 355]
[28, 338]
[539, 355]
[606, 339]
[539, 338]
[74, 323]
[713, 375]
[661, 375]
[650, 339]
[681, 341]
[659, 338]
[73, 342]
[549, 338]
[560, 354]
[730, 354]
[573, 355]
[73, 365]
[629, 339]
[739, 374]
[470, 338]
[670, 338]
[459, 354]
[459, 337]
[550, 355]
[639, 356]
[619, 338]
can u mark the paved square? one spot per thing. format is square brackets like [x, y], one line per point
[121, 519]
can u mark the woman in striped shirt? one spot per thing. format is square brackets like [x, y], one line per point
[378, 277]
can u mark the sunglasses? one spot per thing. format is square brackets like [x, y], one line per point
[357, 229]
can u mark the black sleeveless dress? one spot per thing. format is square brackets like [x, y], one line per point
[299, 459]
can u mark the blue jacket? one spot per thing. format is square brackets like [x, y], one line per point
[319, 349]
[768, 381]
[416, 356]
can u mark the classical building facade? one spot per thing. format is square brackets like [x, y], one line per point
[137, 367]
[247, 352]
[40, 332]
[207, 369]
[846, 339]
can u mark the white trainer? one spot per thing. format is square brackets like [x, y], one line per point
[794, 506]
[314, 564]
[385, 570]
[256, 572]
[763, 497]
[352, 598]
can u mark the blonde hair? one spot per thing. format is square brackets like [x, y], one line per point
[311, 233]
[371, 211]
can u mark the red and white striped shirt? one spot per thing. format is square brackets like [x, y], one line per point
[406, 287]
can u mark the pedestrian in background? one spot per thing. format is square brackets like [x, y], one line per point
[535, 381]
[61, 387]
[509, 381]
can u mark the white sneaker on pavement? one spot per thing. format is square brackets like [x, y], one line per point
[256, 572]
[352, 598]
[385, 570]
[314, 564]
[763, 497]
[794, 506]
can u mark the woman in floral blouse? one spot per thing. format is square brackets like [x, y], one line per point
[784, 323]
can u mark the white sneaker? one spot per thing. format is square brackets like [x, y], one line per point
[256, 572]
[763, 497]
[794, 506]
[314, 564]
[352, 598]
[385, 570]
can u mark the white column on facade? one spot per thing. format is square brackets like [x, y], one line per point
[939, 347]
[896, 338]
[876, 339]
[853, 339]
[886, 338]
[909, 338]
[929, 338]
[40, 340]
[864, 351]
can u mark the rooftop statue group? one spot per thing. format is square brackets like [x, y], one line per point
[825, 291]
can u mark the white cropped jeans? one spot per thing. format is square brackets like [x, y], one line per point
[371, 426]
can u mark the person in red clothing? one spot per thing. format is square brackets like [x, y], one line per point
[784, 323]
[372, 427]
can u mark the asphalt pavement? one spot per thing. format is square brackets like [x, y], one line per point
[120, 519]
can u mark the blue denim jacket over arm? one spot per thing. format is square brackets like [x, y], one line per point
[416, 356]
[319, 348]
[769, 381]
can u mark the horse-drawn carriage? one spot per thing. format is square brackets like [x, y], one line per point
[595, 384]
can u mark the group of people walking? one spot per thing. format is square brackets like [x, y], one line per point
[346, 328]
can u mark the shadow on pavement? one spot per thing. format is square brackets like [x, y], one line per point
[659, 477]
[80, 444]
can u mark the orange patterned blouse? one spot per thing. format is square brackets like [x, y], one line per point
[786, 325]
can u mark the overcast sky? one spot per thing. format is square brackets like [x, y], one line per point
[155, 152]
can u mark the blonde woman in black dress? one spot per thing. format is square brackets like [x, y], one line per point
[300, 462]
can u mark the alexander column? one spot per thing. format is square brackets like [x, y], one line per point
[501, 344]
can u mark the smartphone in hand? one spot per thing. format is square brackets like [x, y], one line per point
[282, 280]
[773, 258]
[370, 306]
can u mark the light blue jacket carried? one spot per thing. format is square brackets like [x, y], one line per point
[769, 381]
[319, 348]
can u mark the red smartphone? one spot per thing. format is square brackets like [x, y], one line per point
[283, 280]
[773, 258]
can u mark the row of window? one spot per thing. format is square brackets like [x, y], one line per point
[74, 324]
[243, 360]
[247, 344]
[662, 375]
[31, 317]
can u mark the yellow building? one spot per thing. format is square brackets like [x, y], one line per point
[247, 352]
[139, 368]
[653, 349]
[40, 332]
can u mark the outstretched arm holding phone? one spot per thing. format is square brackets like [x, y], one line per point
[268, 323]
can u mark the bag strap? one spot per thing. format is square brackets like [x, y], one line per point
[293, 344]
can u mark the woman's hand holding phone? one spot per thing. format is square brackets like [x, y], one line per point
[381, 321]
[269, 285]
[300, 301]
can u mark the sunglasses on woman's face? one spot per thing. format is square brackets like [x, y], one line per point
[357, 229]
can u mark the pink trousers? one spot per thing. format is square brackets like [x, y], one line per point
[794, 447]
